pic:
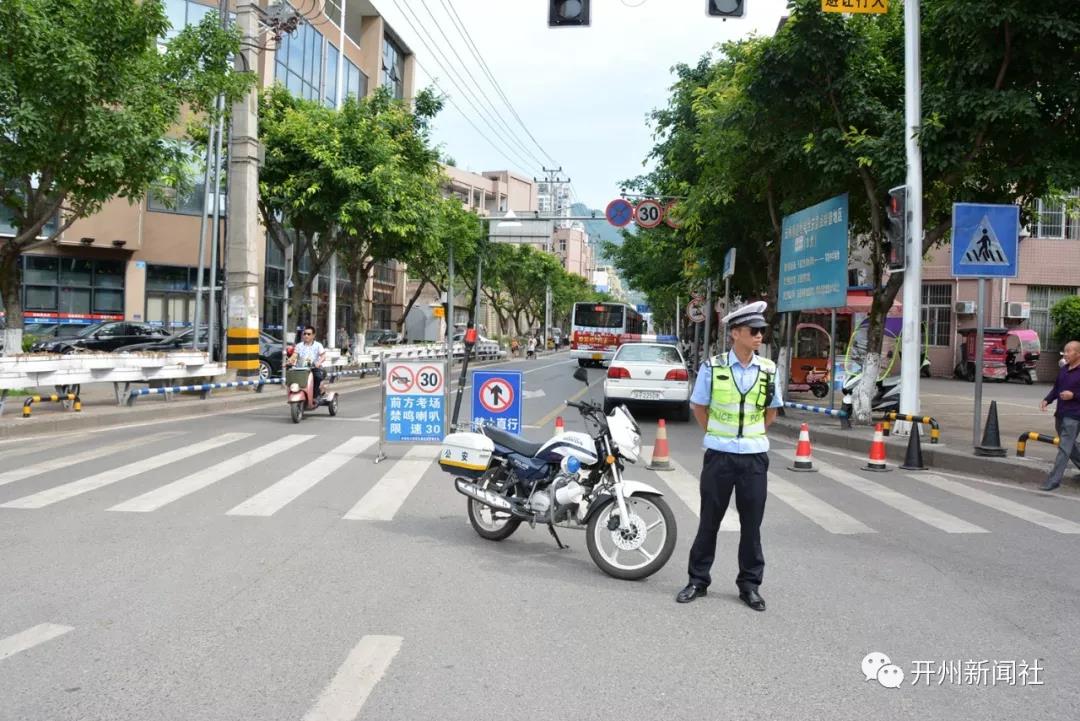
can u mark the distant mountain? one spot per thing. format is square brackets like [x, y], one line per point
[599, 229]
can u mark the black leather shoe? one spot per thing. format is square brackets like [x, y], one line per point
[691, 592]
[752, 599]
[1049, 486]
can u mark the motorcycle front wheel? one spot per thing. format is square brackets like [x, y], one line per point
[643, 548]
[296, 410]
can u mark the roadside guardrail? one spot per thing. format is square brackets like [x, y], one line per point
[1021, 442]
[892, 416]
[65, 398]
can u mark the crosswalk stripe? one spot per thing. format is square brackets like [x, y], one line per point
[828, 517]
[55, 464]
[114, 475]
[1012, 508]
[31, 637]
[288, 489]
[905, 504]
[687, 488]
[347, 692]
[155, 499]
[385, 497]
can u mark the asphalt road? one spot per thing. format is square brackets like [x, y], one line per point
[238, 566]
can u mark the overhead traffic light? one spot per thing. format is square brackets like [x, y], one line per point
[896, 228]
[562, 13]
[726, 8]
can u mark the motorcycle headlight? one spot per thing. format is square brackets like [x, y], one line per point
[294, 388]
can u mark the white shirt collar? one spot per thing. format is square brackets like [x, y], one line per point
[733, 360]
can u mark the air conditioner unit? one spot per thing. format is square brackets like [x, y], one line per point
[1017, 310]
[965, 307]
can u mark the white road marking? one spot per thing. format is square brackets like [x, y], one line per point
[54, 464]
[31, 637]
[905, 504]
[288, 489]
[155, 499]
[385, 497]
[828, 517]
[1012, 508]
[105, 478]
[347, 692]
[687, 488]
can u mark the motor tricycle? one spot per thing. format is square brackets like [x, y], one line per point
[300, 391]
[1007, 353]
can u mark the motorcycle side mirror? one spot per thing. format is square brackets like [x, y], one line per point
[582, 375]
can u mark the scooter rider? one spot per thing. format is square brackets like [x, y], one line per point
[309, 353]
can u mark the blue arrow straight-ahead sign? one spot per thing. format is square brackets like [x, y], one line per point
[985, 240]
[497, 399]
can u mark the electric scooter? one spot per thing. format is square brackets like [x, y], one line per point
[300, 392]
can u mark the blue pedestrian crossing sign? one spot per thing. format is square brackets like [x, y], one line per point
[985, 240]
[496, 399]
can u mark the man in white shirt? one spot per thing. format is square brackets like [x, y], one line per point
[309, 353]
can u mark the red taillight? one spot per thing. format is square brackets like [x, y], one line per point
[616, 372]
[677, 374]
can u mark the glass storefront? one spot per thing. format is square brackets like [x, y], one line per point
[72, 289]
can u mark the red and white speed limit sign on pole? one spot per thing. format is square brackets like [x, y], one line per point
[648, 214]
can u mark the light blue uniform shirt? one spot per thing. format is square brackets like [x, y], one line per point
[745, 377]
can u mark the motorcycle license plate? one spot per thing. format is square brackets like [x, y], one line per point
[597, 356]
[645, 395]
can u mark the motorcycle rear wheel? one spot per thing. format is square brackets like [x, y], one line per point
[649, 513]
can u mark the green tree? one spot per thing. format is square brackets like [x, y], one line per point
[1066, 317]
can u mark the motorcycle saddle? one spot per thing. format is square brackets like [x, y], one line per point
[512, 441]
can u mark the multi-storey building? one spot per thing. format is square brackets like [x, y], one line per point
[574, 249]
[555, 201]
[138, 261]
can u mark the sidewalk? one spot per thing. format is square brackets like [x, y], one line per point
[951, 403]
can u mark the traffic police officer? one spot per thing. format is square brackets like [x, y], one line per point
[735, 400]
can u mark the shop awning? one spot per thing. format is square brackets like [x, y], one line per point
[860, 302]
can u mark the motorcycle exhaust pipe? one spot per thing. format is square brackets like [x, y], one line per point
[484, 496]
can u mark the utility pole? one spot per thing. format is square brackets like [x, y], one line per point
[911, 356]
[245, 238]
[552, 180]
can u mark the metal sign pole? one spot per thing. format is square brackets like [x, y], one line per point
[910, 357]
[677, 334]
[727, 309]
[976, 430]
[697, 346]
[380, 455]
[832, 359]
[708, 317]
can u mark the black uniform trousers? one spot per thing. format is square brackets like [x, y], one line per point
[747, 475]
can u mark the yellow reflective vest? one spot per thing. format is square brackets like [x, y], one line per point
[732, 413]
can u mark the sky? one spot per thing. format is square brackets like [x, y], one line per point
[584, 93]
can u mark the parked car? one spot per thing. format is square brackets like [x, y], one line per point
[103, 337]
[269, 349]
[648, 374]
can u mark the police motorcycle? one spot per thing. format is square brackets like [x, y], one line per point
[573, 480]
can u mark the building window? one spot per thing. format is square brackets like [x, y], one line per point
[330, 90]
[355, 81]
[393, 62]
[299, 65]
[384, 273]
[73, 286]
[937, 313]
[1059, 217]
[182, 13]
[182, 188]
[1042, 299]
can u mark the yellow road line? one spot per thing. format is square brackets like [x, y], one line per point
[550, 417]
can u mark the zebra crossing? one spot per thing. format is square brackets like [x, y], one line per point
[273, 479]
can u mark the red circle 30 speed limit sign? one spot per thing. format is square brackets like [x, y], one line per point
[648, 214]
[429, 379]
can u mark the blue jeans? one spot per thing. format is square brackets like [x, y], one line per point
[1067, 430]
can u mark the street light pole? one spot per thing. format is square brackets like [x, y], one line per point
[910, 358]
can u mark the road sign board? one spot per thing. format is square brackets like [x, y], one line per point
[695, 311]
[648, 214]
[814, 257]
[414, 402]
[729, 263]
[985, 241]
[669, 217]
[855, 6]
[619, 212]
[497, 399]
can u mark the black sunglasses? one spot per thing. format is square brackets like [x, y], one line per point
[755, 331]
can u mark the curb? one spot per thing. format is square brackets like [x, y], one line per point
[1022, 471]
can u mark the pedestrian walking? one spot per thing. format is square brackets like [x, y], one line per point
[531, 351]
[1066, 393]
[734, 400]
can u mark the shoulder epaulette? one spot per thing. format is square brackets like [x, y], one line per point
[767, 364]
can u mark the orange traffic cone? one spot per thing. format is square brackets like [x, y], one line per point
[560, 426]
[803, 460]
[877, 452]
[660, 459]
